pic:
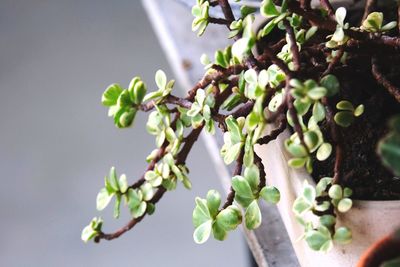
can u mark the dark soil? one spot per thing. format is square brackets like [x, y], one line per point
[362, 169]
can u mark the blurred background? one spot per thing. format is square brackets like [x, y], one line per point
[57, 143]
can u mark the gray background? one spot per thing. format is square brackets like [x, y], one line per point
[56, 145]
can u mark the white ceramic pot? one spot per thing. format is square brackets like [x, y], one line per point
[368, 220]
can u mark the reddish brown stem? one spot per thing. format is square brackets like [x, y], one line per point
[220, 21]
[237, 171]
[282, 123]
[293, 45]
[380, 78]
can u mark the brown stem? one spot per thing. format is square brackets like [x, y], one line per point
[293, 45]
[220, 21]
[334, 62]
[181, 158]
[277, 61]
[170, 99]
[261, 168]
[215, 77]
[157, 196]
[227, 10]
[282, 123]
[334, 130]
[293, 114]
[237, 171]
[380, 78]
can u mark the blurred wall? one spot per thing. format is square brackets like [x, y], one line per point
[56, 145]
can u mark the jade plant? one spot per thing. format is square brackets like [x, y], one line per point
[284, 75]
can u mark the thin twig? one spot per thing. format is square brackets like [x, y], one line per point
[237, 171]
[293, 45]
[282, 123]
[220, 21]
[337, 141]
[335, 60]
[380, 78]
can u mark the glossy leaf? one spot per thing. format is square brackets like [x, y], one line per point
[202, 232]
[253, 216]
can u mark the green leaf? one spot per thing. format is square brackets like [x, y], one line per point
[218, 232]
[213, 202]
[324, 151]
[345, 105]
[268, 9]
[296, 150]
[344, 118]
[151, 208]
[202, 232]
[318, 111]
[124, 99]
[111, 94]
[88, 233]
[242, 187]
[301, 106]
[126, 118]
[311, 32]
[161, 79]
[135, 197]
[373, 22]
[359, 110]
[232, 153]
[139, 92]
[117, 206]
[311, 139]
[340, 15]
[335, 192]
[327, 220]
[132, 85]
[297, 162]
[229, 218]
[153, 178]
[246, 10]
[322, 185]
[342, 235]
[253, 216]
[201, 213]
[112, 177]
[301, 205]
[123, 184]
[250, 76]
[138, 211]
[270, 194]
[389, 26]
[252, 175]
[242, 47]
[345, 205]
[347, 192]
[331, 83]
[103, 198]
[316, 240]
[309, 193]
[147, 191]
[317, 93]
[267, 29]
